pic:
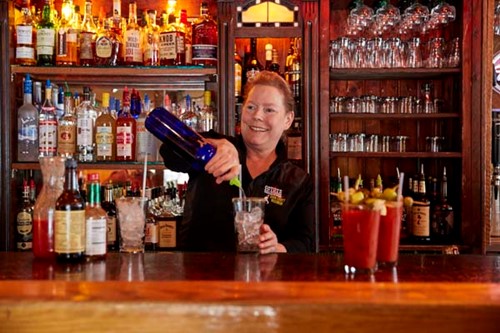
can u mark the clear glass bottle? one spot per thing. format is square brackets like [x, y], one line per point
[189, 116]
[125, 131]
[43, 212]
[66, 130]
[208, 118]
[69, 218]
[132, 38]
[105, 131]
[24, 221]
[95, 220]
[205, 39]
[27, 126]
[151, 41]
[25, 36]
[87, 37]
[146, 144]
[86, 115]
[116, 35]
[47, 125]
[67, 38]
[45, 37]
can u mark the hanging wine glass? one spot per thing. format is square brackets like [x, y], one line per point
[443, 13]
[360, 17]
[416, 15]
[386, 17]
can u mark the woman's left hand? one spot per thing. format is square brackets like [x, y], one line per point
[269, 241]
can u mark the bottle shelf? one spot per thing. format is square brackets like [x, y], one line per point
[392, 116]
[188, 77]
[396, 155]
[390, 73]
[96, 165]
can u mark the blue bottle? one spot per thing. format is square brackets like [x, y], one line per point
[167, 127]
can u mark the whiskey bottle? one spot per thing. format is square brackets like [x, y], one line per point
[66, 129]
[443, 228]
[132, 39]
[151, 41]
[125, 131]
[95, 220]
[294, 143]
[69, 218]
[103, 44]
[421, 212]
[105, 131]
[188, 38]
[116, 36]
[252, 66]
[24, 221]
[47, 125]
[108, 204]
[25, 36]
[205, 39]
[27, 126]
[275, 65]
[45, 37]
[87, 37]
[66, 40]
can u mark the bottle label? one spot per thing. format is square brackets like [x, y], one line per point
[111, 229]
[124, 141]
[24, 223]
[69, 231]
[86, 52]
[45, 41]
[151, 233]
[104, 141]
[96, 236]
[25, 52]
[62, 47]
[421, 221]
[204, 52]
[294, 150]
[28, 130]
[48, 136]
[84, 131]
[167, 45]
[24, 34]
[167, 234]
[66, 142]
[103, 47]
[133, 46]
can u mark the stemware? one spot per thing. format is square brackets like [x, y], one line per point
[360, 17]
[386, 17]
[443, 13]
[416, 15]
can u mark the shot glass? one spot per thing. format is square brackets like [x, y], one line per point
[360, 224]
[388, 236]
[248, 217]
[131, 213]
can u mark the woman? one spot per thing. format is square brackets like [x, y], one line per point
[208, 214]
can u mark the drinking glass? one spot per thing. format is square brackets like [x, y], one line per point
[413, 53]
[386, 17]
[436, 58]
[360, 224]
[248, 217]
[360, 17]
[443, 13]
[131, 213]
[388, 237]
[415, 16]
[453, 59]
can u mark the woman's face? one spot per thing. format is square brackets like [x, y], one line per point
[264, 118]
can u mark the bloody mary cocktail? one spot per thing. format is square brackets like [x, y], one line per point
[388, 237]
[360, 224]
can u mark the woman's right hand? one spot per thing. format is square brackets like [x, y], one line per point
[225, 164]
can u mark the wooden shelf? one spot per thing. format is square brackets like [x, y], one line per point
[96, 166]
[396, 155]
[188, 77]
[390, 73]
[393, 116]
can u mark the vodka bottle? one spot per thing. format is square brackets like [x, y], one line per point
[27, 126]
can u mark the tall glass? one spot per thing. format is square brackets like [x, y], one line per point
[43, 213]
[360, 224]
[248, 217]
[388, 237]
[131, 212]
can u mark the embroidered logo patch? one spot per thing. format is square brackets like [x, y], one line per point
[275, 195]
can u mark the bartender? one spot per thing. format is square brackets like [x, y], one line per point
[208, 224]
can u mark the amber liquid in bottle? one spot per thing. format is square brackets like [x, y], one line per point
[421, 212]
[108, 204]
[25, 37]
[69, 218]
[105, 131]
[205, 39]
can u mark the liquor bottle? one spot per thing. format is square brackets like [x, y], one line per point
[253, 65]
[86, 115]
[24, 221]
[132, 39]
[421, 212]
[27, 126]
[207, 119]
[336, 209]
[151, 230]
[275, 65]
[444, 223]
[205, 39]
[95, 220]
[103, 43]
[268, 56]
[294, 143]
[189, 116]
[180, 37]
[66, 40]
[168, 41]
[293, 74]
[238, 71]
[69, 218]
[87, 37]
[66, 130]
[47, 125]
[135, 104]
[25, 37]
[125, 131]
[151, 41]
[76, 26]
[188, 38]
[45, 37]
[105, 131]
[116, 35]
[58, 101]
[108, 204]
[145, 144]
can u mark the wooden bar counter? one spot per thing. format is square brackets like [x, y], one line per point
[221, 292]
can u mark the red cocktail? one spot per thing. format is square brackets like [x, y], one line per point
[360, 224]
[388, 237]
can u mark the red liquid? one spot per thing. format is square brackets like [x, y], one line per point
[388, 237]
[43, 239]
[360, 227]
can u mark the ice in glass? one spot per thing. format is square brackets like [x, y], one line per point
[131, 212]
[248, 217]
